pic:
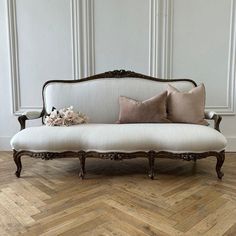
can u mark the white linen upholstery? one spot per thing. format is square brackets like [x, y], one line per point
[99, 99]
[120, 138]
[31, 115]
[209, 114]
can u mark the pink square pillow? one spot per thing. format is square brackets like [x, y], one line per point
[152, 110]
[186, 107]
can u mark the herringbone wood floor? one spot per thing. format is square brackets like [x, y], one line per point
[117, 198]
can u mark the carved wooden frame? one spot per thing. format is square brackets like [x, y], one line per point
[151, 155]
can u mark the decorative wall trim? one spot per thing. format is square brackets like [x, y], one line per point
[83, 60]
[82, 28]
[82, 21]
[17, 107]
[161, 48]
[153, 38]
[160, 38]
[229, 109]
[14, 59]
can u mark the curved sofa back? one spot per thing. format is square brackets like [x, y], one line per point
[98, 96]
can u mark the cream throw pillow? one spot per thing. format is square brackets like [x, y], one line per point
[152, 110]
[186, 107]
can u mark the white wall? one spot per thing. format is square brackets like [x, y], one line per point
[67, 39]
[203, 39]
[8, 123]
[121, 30]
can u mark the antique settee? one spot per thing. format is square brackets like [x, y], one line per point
[97, 96]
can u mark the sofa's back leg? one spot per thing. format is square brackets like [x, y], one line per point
[82, 166]
[17, 160]
[151, 159]
[220, 161]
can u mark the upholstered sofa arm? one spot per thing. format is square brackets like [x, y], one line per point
[29, 115]
[211, 115]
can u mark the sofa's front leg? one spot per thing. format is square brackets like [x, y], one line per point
[82, 166]
[17, 160]
[151, 159]
[220, 161]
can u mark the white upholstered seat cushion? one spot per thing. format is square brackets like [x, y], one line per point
[120, 138]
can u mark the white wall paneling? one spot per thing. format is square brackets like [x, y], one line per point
[160, 38]
[203, 39]
[162, 45]
[13, 45]
[121, 35]
[80, 47]
[82, 12]
[40, 39]
[71, 39]
[83, 44]
[230, 107]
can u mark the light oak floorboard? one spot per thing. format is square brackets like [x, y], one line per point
[117, 198]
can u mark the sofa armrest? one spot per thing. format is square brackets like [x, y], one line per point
[29, 115]
[211, 115]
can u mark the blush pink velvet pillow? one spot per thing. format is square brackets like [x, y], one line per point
[186, 107]
[152, 110]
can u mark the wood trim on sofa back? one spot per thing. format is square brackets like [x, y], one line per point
[112, 74]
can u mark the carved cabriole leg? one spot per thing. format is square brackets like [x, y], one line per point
[17, 160]
[82, 165]
[151, 159]
[220, 161]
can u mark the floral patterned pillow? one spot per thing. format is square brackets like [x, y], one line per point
[65, 117]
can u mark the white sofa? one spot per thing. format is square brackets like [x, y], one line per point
[97, 97]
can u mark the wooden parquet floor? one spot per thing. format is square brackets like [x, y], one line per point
[117, 198]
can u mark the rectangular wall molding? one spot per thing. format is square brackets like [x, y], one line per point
[83, 59]
[161, 49]
[82, 27]
[82, 21]
[160, 38]
[14, 58]
[229, 109]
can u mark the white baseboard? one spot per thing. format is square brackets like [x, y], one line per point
[5, 144]
[231, 146]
